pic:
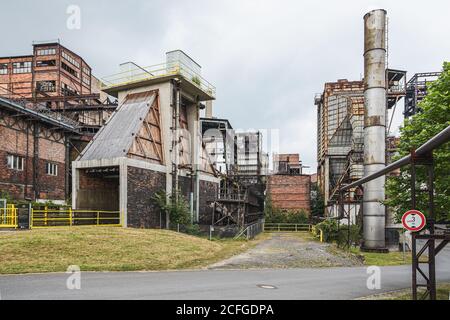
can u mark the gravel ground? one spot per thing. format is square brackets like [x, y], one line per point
[289, 250]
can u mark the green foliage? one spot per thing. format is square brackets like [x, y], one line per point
[317, 201]
[275, 215]
[176, 205]
[196, 80]
[333, 232]
[435, 117]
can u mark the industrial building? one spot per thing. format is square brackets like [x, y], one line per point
[34, 152]
[151, 143]
[288, 188]
[60, 79]
[242, 165]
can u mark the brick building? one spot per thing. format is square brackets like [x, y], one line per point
[288, 188]
[33, 153]
[60, 79]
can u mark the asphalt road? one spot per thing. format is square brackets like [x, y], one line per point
[291, 284]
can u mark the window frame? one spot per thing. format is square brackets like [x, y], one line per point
[51, 169]
[15, 162]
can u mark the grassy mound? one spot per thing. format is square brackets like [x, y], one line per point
[109, 249]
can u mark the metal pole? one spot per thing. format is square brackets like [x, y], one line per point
[413, 237]
[431, 246]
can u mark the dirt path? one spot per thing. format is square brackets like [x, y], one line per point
[289, 250]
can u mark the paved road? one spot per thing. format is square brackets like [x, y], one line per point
[321, 283]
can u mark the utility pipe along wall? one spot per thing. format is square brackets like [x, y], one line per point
[374, 127]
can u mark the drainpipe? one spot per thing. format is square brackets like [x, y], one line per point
[374, 128]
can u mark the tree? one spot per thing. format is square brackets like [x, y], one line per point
[415, 131]
[317, 201]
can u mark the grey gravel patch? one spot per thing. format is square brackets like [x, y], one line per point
[284, 250]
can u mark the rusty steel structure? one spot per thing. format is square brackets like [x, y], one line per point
[342, 122]
[435, 240]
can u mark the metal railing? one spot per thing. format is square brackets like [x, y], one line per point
[251, 230]
[294, 227]
[48, 218]
[287, 227]
[8, 217]
[137, 74]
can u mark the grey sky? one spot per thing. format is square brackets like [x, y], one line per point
[266, 58]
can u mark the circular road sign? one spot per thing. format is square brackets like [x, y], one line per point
[414, 220]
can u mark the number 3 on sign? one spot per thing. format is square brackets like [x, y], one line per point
[414, 220]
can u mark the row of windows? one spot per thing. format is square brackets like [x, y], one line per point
[16, 163]
[86, 71]
[70, 59]
[22, 67]
[46, 52]
[46, 63]
[69, 69]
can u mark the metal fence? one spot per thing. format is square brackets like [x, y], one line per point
[294, 227]
[48, 218]
[252, 230]
[8, 217]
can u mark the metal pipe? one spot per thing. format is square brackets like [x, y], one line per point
[435, 142]
[374, 127]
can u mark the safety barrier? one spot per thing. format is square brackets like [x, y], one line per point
[317, 232]
[287, 227]
[48, 218]
[8, 217]
[294, 227]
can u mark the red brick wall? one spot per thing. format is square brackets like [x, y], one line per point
[14, 182]
[290, 192]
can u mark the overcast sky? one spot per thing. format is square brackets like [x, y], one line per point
[266, 58]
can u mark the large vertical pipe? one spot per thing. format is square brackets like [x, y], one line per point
[374, 127]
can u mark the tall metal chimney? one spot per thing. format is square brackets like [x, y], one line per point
[374, 127]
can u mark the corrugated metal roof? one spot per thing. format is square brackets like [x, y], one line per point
[115, 138]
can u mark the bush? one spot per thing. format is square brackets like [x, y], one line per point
[333, 232]
[176, 205]
[275, 215]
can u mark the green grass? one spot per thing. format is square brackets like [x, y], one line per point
[110, 249]
[442, 293]
[383, 259]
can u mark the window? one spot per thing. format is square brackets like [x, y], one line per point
[46, 86]
[3, 68]
[46, 52]
[46, 63]
[69, 69]
[86, 80]
[51, 169]
[68, 90]
[15, 162]
[22, 67]
[70, 59]
[87, 71]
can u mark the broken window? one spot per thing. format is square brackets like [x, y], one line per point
[22, 67]
[70, 59]
[3, 68]
[46, 63]
[46, 86]
[69, 69]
